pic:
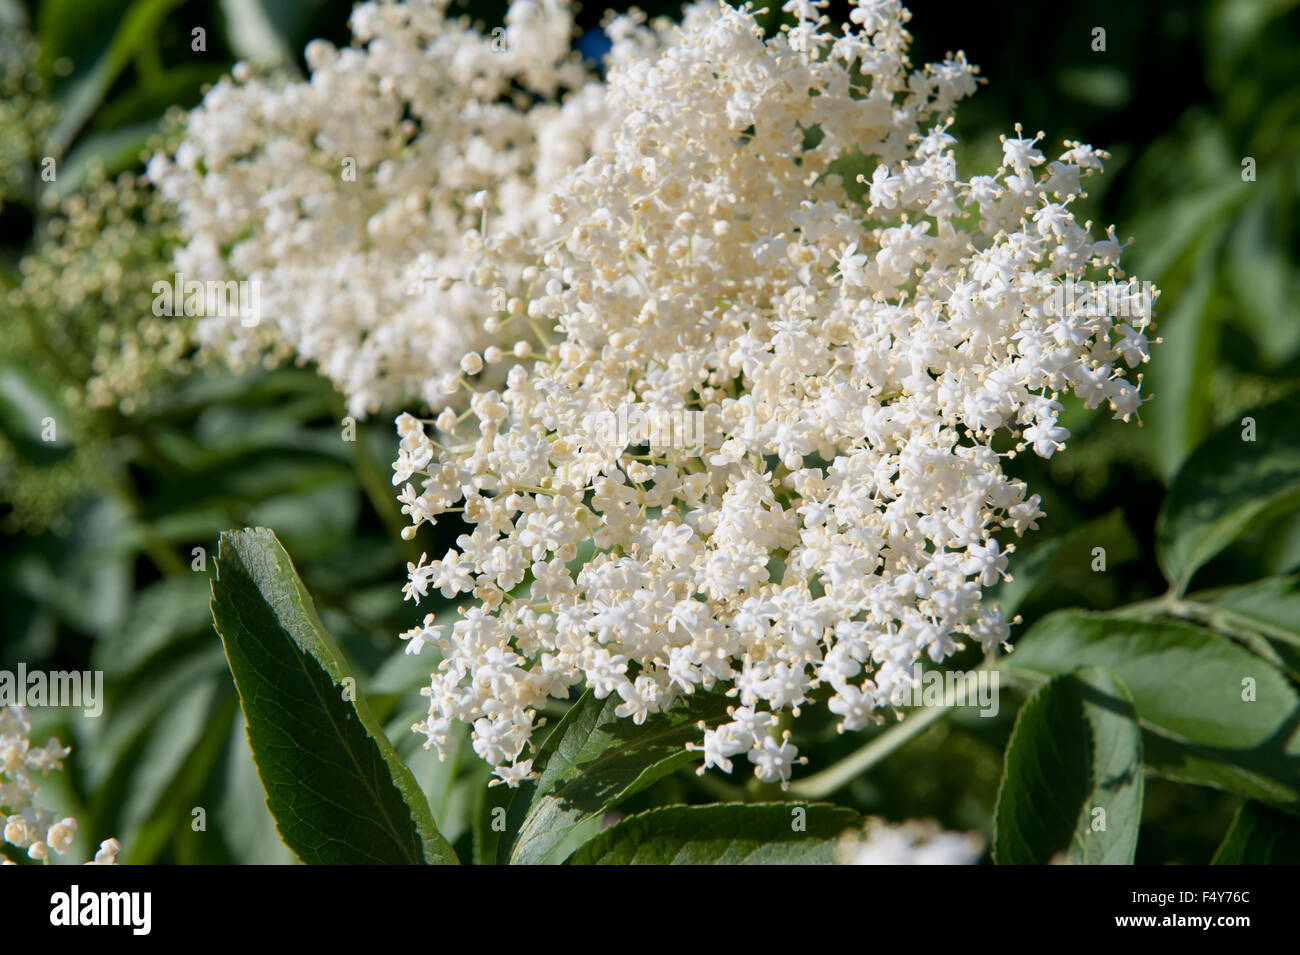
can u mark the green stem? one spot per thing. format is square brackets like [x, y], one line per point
[1229, 621]
[1222, 619]
[1144, 609]
[822, 784]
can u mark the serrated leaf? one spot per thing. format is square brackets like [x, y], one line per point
[246, 827]
[337, 790]
[1072, 781]
[1227, 486]
[442, 780]
[1260, 836]
[1202, 721]
[592, 761]
[723, 834]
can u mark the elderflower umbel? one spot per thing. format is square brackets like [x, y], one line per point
[851, 363]
[77, 313]
[23, 824]
[385, 204]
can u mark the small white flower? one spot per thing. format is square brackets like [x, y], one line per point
[855, 370]
[23, 824]
[851, 264]
[107, 854]
[915, 842]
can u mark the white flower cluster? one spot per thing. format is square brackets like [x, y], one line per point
[363, 200]
[854, 365]
[914, 842]
[26, 826]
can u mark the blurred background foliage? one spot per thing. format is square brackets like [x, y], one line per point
[109, 529]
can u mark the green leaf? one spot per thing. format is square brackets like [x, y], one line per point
[1193, 699]
[161, 612]
[1234, 30]
[592, 761]
[246, 828]
[166, 749]
[1073, 778]
[1258, 271]
[337, 790]
[446, 782]
[1260, 836]
[1270, 549]
[87, 90]
[1108, 88]
[723, 834]
[134, 711]
[109, 151]
[66, 28]
[1180, 414]
[1228, 485]
[88, 562]
[177, 755]
[1061, 567]
[181, 85]
[488, 821]
[266, 32]
[30, 413]
[312, 521]
[1268, 607]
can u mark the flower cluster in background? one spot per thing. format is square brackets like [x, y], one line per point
[862, 371]
[82, 321]
[366, 199]
[82, 345]
[102, 249]
[26, 114]
[26, 825]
